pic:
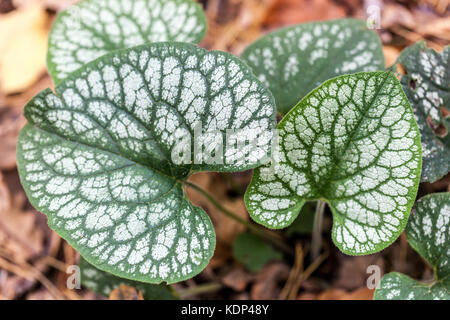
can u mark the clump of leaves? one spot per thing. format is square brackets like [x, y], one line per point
[104, 283]
[96, 156]
[102, 158]
[252, 252]
[428, 233]
[427, 86]
[294, 60]
[354, 143]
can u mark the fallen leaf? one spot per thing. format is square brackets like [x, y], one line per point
[340, 294]
[124, 292]
[41, 294]
[439, 28]
[396, 14]
[307, 296]
[18, 101]
[11, 122]
[18, 234]
[267, 284]
[222, 254]
[55, 5]
[6, 6]
[12, 286]
[237, 279]
[23, 47]
[361, 294]
[391, 54]
[352, 272]
[286, 12]
[5, 198]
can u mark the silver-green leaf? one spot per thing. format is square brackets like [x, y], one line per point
[294, 60]
[92, 28]
[354, 143]
[427, 86]
[99, 156]
[104, 283]
[428, 232]
[397, 286]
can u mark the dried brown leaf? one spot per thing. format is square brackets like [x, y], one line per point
[124, 292]
[23, 47]
[268, 282]
[391, 54]
[237, 279]
[286, 12]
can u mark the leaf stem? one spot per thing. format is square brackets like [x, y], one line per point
[262, 233]
[316, 243]
[199, 289]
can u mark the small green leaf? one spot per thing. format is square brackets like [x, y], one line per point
[354, 143]
[99, 157]
[304, 222]
[92, 28]
[427, 86]
[103, 283]
[294, 60]
[428, 232]
[397, 286]
[252, 252]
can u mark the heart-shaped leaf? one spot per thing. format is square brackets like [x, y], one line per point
[92, 28]
[105, 157]
[428, 232]
[354, 143]
[427, 86]
[103, 283]
[294, 60]
[253, 252]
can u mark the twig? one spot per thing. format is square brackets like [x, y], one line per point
[31, 273]
[305, 275]
[295, 272]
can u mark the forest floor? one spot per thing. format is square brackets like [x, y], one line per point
[33, 259]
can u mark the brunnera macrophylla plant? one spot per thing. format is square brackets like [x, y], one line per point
[96, 155]
[101, 155]
[92, 28]
[428, 232]
[352, 142]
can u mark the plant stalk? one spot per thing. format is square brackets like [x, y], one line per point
[316, 243]
[199, 289]
[251, 227]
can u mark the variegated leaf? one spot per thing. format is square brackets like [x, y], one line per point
[354, 143]
[105, 156]
[294, 60]
[428, 232]
[92, 28]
